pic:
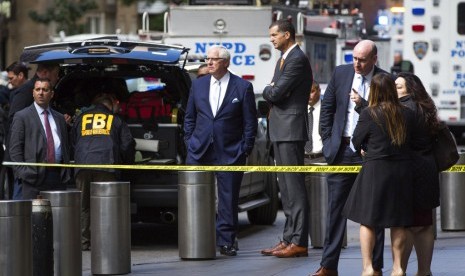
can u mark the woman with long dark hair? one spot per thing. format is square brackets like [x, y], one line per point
[412, 94]
[382, 193]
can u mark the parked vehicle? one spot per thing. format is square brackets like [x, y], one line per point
[152, 86]
[434, 41]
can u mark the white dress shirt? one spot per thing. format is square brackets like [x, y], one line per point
[317, 144]
[352, 115]
[214, 98]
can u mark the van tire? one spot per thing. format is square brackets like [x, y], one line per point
[266, 214]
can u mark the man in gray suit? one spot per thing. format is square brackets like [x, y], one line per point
[39, 135]
[347, 91]
[288, 130]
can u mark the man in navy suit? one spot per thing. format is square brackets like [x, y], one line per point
[347, 91]
[220, 127]
[288, 129]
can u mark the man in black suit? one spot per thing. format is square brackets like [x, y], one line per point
[288, 130]
[39, 134]
[22, 97]
[349, 86]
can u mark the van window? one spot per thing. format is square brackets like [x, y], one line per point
[461, 18]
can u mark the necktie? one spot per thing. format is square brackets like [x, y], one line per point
[218, 94]
[50, 142]
[281, 64]
[362, 87]
[309, 143]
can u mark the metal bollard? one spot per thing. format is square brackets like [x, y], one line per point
[452, 191]
[110, 224]
[42, 238]
[15, 237]
[196, 209]
[66, 211]
[317, 194]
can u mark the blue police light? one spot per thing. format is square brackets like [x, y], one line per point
[418, 11]
[348, 58]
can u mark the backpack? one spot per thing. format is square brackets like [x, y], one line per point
[146, 107]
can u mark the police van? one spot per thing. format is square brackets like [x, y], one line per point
[242, 29]
[434, 41]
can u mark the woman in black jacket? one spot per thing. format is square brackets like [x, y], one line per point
[381, 195]
[412, 94]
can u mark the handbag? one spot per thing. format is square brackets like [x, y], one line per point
[445, 149]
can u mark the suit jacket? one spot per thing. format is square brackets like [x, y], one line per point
[232, 131]
[21, 97]
[28, 143]
[333, 115]
[288, 97]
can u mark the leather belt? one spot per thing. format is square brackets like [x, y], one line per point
[345, 141]
[314, 155]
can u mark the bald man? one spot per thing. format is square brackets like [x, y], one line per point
[348, 89]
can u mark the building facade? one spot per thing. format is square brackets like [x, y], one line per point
[110, 17]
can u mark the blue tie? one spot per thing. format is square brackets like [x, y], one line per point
[362, 87]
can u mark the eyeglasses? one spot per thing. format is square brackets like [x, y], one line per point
[207, 59]
[46, 90]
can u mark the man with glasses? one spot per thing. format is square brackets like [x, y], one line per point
[219, 129]
[39, 135]
[347, 91]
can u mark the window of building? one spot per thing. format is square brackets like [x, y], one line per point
[95, 24]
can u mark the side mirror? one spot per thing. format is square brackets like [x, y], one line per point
[263, 109]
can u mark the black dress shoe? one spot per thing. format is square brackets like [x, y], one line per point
[228, 250]
[236, 244]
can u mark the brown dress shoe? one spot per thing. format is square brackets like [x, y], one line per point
[269, 251]
[292, 250]
[378, 272]
[323, 271]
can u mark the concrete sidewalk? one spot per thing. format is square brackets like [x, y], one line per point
[448, 260]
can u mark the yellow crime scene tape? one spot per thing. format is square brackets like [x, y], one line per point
[292, 169]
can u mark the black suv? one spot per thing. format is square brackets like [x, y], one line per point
[152, 86]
